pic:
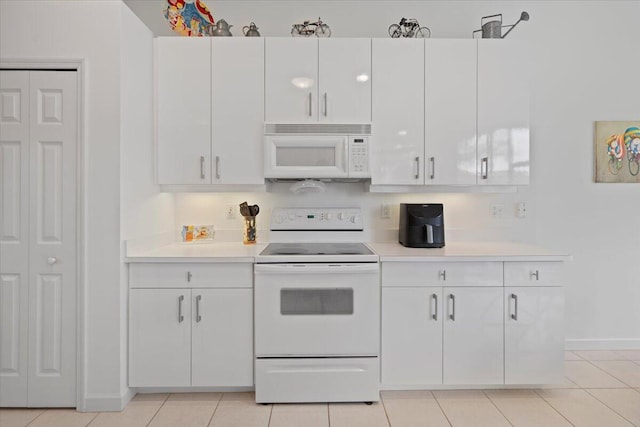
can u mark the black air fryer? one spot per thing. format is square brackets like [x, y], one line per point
[421, 226]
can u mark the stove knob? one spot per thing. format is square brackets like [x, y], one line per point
[292, 216]
[342, 216]
[327, 216]
[353, 219]
[279, 219]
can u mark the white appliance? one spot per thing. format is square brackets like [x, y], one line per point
[317, 311]
[317, 150]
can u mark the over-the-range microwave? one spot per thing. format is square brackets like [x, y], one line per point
[317, 150]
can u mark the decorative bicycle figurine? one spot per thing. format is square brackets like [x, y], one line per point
[409, 28]
[306, 29]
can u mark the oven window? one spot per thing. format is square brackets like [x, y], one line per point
[316, 301]
[306, 156]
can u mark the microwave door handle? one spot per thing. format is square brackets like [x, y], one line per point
[428, 229]
[347, 168]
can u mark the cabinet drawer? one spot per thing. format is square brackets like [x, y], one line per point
[441, 274]
[534, 273]
[192, 275]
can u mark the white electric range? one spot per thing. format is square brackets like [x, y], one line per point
[317, 310]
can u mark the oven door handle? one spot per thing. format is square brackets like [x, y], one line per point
[317, 268]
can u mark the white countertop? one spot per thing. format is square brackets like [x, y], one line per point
[468, 251]
[390, 252]
[198, 252]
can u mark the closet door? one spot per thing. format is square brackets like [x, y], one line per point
[14, 236]
[52, 237]
[38, 149]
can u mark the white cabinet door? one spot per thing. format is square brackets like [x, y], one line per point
[398, 112]
[534, 335]
[222, 338]
[503, 113]
[450, 112]
[14, 236]
[345, 80]
[159, 337]
[411, 336]
[291, 79]
[183, 66]
[473, 335]
[237, 110]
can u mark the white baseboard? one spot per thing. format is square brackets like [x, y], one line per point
[107, 402]
[602, 344]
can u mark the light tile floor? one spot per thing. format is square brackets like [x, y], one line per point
[602, 389]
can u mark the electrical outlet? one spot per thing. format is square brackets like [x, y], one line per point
[231, 212]
[521, 209]
[497, 211]
[385, 211]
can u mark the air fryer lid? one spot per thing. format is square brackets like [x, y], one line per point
[425, 214]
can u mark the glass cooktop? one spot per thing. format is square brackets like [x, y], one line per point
[292, 249]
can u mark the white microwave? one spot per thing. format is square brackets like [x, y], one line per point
[317, 151]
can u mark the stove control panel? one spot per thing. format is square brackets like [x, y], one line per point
[316, 219]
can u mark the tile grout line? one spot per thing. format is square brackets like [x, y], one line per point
[441, 409]
[329, 413]
[158, 410]
[270, 414]
[611, 375]
[37, 416]
[93, 419]
[605, 404]
[553, 407]
[496, 406]
[215, 409]
[386, 414]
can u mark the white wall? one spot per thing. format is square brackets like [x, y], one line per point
[144, 210]
[585, 68]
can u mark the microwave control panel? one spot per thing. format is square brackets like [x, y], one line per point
[359, 157]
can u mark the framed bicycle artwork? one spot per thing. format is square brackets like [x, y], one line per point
[617, 151]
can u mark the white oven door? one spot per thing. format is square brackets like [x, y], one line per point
[290, 156]
[317, 309]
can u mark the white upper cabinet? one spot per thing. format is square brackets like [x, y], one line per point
[183, 110]
[237, 110]
[344, 92]
[450, 112]
[398, 112]
[503, 113]
[210, 110]
[311, 80]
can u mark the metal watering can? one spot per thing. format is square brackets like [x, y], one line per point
[493, 29]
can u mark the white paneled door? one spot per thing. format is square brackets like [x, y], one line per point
[38, 149]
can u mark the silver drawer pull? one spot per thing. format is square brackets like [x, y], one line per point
[198, 317]
[310, 110]
[535, 274]
[434, 297]
[514, 297]
[417, 160]
[443, 273]
[201, 167]
[452, 298]
[433, 167]
[484, 168]
[180, 316]
[189, 276]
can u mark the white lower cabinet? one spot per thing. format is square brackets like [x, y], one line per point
[470, 333]
[411, 335]
[533, 335]
[473, 335]
[191, 337]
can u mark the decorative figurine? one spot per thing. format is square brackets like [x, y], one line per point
[306, 29]
[409, 28]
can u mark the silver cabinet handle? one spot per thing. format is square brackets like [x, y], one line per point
[52, 260]
[198, 317]
[514, 297]
[189, 275]
[417, 160]
[201, 167]
[433, 167]
[217, 167]
[443, 274]
[484, 168]
[180, 316]
[434, 297]
[452, 298]
[325, 104]
[535, 274]
[310, 110]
